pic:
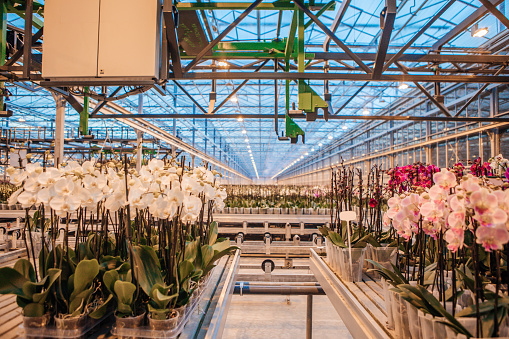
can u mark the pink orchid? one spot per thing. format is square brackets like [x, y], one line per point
[495, 217]
[431, 211]
[483, 200]
[492, 238]
[445, 179]
[456, 219]
[437, 193]
[457, 204]
[455, 238]
[393, 202]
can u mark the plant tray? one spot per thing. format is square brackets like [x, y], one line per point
[147, 332]
[53, 332]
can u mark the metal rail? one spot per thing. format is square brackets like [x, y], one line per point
[218, 320]
[356, 318]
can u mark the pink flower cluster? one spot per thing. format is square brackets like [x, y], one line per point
[453, 206]
[416, 175]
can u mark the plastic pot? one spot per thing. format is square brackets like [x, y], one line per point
[70, 323]
[164, 324]
[36, 322]
[385, 256]
[351, 270]
[130, 322]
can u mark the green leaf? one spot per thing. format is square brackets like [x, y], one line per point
[213, 233]
[85, 273]
[147, 267]
[192, 249]
[30, 288]
[392, 276]
[186, 267]
[370, 240]
[109, 279]
[124, 291]
[221, 246]
[101, 311]
[324, 230]
[53, 275]
[336, 239]
[207, 253]
[11, 281]
[25, 268]
[33, 310]
[162, 300]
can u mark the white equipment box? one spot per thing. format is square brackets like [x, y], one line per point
[102, 39]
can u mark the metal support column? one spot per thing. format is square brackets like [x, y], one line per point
[3, 45]
[139, 154]
[309, 317]
[59, 128]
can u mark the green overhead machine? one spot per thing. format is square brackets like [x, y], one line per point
[290, 48]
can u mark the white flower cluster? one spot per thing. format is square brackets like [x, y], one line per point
[162, 189]
[498, 162]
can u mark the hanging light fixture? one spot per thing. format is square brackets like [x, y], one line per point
[478, 32]
[239, 119]
[234, 99]
[222, 63]
[365, 111]
[403, 85]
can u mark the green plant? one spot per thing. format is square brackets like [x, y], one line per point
[122, 292]
[32, 295]
[160, 297]
[81, 286]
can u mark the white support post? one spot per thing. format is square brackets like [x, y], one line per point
[59, 129]
[139, 154]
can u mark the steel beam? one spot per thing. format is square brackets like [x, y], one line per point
[27, 40]
[337, 56]
[383, 45]
[15, 57]
[222, 35]
[102, 103]
[232, 6]
[299, 116]
[346, 77]
[418, 34]
[462, 26]
[171, 34]
[493, 9]
[333, 36]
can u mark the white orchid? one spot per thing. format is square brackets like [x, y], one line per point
[163, 190]
[63, 205]
[49, 177]
[27, 199]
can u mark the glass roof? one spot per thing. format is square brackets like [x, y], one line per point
[234, 140]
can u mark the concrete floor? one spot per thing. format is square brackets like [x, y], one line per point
[272, 316]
